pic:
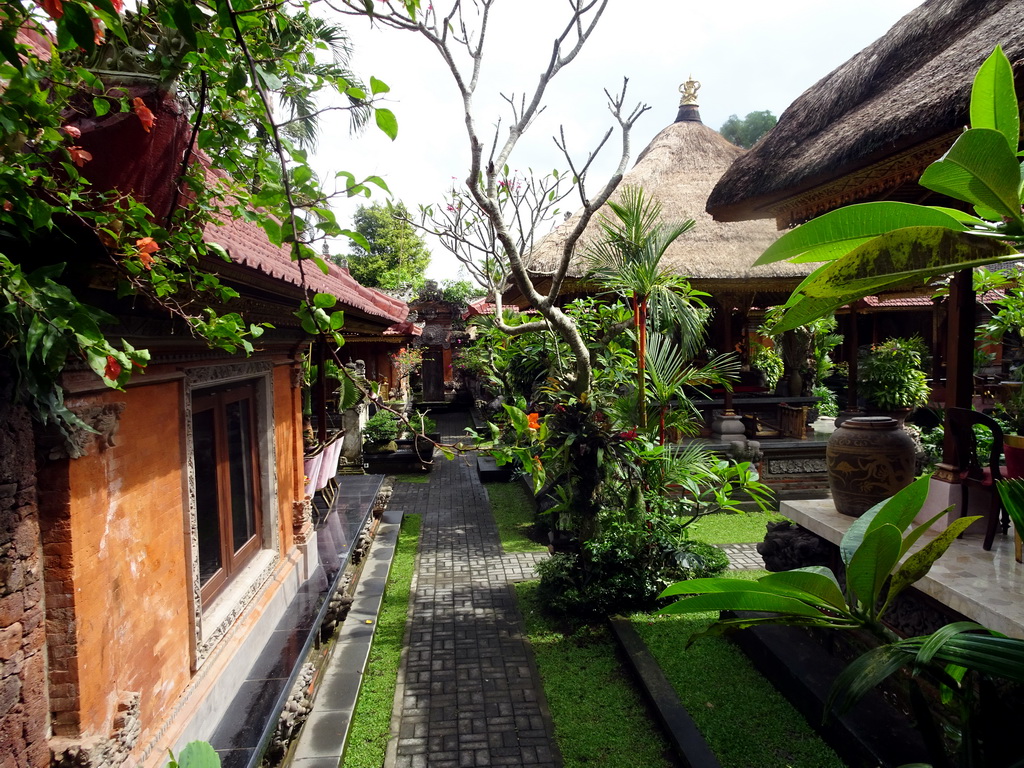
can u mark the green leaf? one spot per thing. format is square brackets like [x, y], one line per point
[918, 564]
[934, 642]
[324, 300]
[378, 86]
[302, 174]
[863, 674]
[980, 169]
[994, 100]
[871, 565]
[837, 232]
[273, 230]
[219, 250]
[8, 48]
[269, 80]
[337, 320]
[744, 601]
[814, 580]
[378, 181]
[909, 256]
[183, 21]
[100, 106]
[198, 754]
[238, 78]
[900, 509]
[911, 538]
[387, 122]
[78, 23]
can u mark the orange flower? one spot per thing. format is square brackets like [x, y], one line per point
[79, 156]
[147, 247]
[534, 420]
[98, 33]
[71, 130]
[53, 7]
[113, 369]
[145, 115]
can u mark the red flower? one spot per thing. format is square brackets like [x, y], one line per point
[55, 8]
[533, 421]
[79, 156]
[145, 115]
[629, 434]
[118, 5]
[147, 247]
[113, 369]
[73, 131]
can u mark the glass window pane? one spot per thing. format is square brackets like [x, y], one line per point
[207, 507]
[243, 512]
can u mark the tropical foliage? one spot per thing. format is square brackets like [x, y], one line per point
[881, 560]
[892, 374]
[391, 253]
[226, 63]
[871, 247]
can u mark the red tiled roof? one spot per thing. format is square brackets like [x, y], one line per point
[247, 244]
[405, 328]
[479, 307]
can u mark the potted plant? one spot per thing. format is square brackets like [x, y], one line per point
[1010, 415]
[425, 435]
[892, 377]
[380, 432]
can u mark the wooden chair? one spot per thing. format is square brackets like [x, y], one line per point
[793, 421]
[974, 472]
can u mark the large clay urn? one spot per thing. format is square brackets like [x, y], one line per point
[869, 458]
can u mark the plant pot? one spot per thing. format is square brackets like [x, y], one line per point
[380, 447]
[869, 459]
[1013, 452]
[424, 446]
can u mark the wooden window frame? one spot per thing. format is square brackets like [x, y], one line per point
[232, 561]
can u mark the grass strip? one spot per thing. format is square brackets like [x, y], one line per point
[741, 715]
[371, 721]
[412, 477]
[723, 528]
[513, 512]
[600, 718]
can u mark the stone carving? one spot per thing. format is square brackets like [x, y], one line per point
[796, 466]
[302, 519]
[104, 419]
[787, 546]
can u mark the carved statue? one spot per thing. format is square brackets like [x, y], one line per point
[689, 90]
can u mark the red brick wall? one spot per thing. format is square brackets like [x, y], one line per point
[23, 702]
[130, 566]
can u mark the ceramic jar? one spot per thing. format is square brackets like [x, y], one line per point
[869, 459]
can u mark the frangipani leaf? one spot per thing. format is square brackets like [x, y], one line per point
[979, 169]
[911, 538]
[918, 564]
[871, 565]
[815, 580]
[912, 255]
[838, 232]
[899, 510]
[994, 100]
[743, 601]
[1011, 491]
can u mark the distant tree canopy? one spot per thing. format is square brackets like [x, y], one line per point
[397, 258]
[745, 133]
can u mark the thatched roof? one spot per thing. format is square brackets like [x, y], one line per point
[906, 95]
[679, 168]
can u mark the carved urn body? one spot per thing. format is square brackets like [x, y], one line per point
[869, 458]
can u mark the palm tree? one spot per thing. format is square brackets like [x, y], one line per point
[627, 261]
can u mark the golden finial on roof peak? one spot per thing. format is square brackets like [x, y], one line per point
[689, 90]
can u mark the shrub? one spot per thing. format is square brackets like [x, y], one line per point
[382, 427]
[624, 568]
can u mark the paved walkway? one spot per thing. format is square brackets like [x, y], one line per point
[468, 692]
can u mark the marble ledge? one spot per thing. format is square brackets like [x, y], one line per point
[987, 587]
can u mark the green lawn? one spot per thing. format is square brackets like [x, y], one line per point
[733, 529]
[744, 719]
[513, 512]
[600, 718]
[371, 723]
[411, 477]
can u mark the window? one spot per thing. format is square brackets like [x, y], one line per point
[226, 482]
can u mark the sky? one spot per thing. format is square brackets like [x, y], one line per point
[748, 55]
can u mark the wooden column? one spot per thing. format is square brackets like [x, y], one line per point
[960, 332]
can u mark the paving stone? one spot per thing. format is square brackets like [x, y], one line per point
[468, 684]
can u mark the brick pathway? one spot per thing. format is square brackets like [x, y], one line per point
[743, 557]
[468, 692]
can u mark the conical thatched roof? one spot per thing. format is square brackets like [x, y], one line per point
[679, 169]
[905, 96]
